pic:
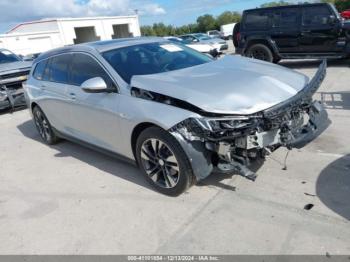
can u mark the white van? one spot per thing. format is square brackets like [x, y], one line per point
[227, 30]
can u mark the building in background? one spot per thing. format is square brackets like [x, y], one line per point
[39, 36]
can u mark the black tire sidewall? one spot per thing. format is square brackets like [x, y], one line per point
[186, 174]
[263, 48]
[53, 138]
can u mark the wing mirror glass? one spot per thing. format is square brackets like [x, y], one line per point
[95, 85]
[332, 19]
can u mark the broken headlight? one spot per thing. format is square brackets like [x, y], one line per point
[215, 128]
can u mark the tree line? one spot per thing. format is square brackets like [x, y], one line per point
[208, 22]
[203, 23]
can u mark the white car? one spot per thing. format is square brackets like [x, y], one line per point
[200, 47]
[217, 43]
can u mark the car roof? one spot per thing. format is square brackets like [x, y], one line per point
[285, 6]
[100, 46]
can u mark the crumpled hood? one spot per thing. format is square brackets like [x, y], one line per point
[14, 66]
[231, 85]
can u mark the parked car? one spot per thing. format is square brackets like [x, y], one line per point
[345, 14]
[219, 44]
[13, 72]
[215, 34]
[175, 112]
[200, 47]
[295, 31]
[227, 30]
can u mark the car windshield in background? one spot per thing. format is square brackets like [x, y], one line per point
[153, 58]
[202, 36]
[7, 57]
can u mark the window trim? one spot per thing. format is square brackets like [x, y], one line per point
[46, 61]
[116, 86]
[299, 18]
[304, 8]
[269, 24]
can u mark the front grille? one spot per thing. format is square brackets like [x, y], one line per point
[16, 74]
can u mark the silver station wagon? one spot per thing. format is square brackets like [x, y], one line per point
[176, 113]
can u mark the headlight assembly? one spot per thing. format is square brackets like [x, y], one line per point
[214, 128]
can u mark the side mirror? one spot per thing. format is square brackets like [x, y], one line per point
[195, 40]
[95, 85]
[332, 19]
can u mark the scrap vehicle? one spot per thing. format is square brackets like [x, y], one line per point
[176, 113]
[13, 72]
[294, 31]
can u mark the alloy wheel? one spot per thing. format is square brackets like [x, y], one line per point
[42, 125]
[259, 54]
[160, 163]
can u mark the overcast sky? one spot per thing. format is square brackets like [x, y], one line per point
[176, 12]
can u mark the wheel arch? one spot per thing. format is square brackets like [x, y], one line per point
[138, 129]
[265, 41]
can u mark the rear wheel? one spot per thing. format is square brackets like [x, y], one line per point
[261, 52]
[163, 162]
[43, 126]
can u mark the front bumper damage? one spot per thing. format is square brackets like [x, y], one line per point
[11, 91]
[233, 143]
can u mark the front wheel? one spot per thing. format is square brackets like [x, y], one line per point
[261, 52]
[163, 162]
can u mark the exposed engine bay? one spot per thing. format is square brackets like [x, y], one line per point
[232, 142]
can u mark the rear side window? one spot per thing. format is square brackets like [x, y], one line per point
[286, 18]
[316, 16]
[85, 67]
[257, 20]
[39, 70]
[59, 68]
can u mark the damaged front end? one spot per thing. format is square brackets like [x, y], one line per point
[234, 142]
[11, 89]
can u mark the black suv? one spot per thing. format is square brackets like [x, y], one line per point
[294, 31]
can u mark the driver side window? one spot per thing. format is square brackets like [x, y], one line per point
[84, 68]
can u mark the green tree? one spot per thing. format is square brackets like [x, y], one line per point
[342, 5]
[275, 3]
[206, 22]
[147, 30]
[228, 17]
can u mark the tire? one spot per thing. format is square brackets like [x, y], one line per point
[44, 127]
[276, 60]
[261, 52]
[163, 162]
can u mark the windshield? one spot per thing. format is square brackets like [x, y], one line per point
[7, 57]
[202, 36]
[153, 58]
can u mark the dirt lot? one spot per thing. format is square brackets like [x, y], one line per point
[67, 199]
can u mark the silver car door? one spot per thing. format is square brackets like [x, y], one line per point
[93, 117]
[52, 84]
